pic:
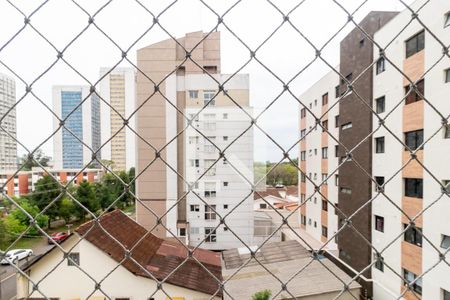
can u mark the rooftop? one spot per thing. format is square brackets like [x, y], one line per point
[284, 260]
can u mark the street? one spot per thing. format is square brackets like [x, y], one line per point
[7, 273]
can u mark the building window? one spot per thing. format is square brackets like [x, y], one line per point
[445, 294]
[380, 181]
[303, 219]
[336, 180]
[361, 43]
[225, 138]
[302, 198]
[182, 232]
[379, 223]
[412, 96]
[262, 205]
[446, 24]
[303, 155]
[347, 126]
[379, 264]
[303, 177]
[195, 163]
[210, 213]
[325, 152]
[324, 205]
[315, 224]
[73, 259]
[413, 187]
[381, 65]
[415, 44]
[324, 178]
[445, 242]
[413, 139]
[315, 151]
[346, 191]
[446, 184]
[225, 206]
[193, 94]
[336, 121]
[325, 125]
[225, 116]
[210, 189]
[303, 113]
[208, 97]
[337, 92]
[336, 151]
[447, 75]
[324, 231]
[315, 102]
[410, 277]
[302, 133]
[379, 144]
[210, 235]
[195, 207]
[413, 235]
[325, 99]
[380, 103]
[225, 183]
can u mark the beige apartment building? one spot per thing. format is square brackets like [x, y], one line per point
[172, 93]
[117, 89]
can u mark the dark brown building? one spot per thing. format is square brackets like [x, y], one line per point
[355, 120]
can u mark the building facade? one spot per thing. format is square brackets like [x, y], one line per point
[23, 182]
[117, 89]
[327, 153]
[8, 130]
[185, 179]
[319, 161]
[73, 144]
[413, 119]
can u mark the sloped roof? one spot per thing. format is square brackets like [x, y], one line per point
[152, 254]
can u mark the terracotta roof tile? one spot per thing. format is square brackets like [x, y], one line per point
[158, 257]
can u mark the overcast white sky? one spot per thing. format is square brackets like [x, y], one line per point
[124, 21]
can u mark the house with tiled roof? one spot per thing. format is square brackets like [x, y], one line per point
[282, 197]
[116, 258]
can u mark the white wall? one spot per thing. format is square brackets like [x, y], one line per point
[69, 282]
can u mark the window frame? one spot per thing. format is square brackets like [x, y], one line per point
[75, 256]
[413, 187]
[324, 152]
[412, 96]
[381, 65]
[211, 236]
[346, 126]
[194, 208]
[210, 214]
[447, 76]
[324, 205]
[380, 145]
[377, 104]
[412, 235]
[324, 231]
[324, 99]
[416, 287]
[417, 47]
[417, 139]
[379, 223]
[447, 20]
[445, 241]
[193, 94]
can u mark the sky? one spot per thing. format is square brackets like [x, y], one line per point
[285, 53]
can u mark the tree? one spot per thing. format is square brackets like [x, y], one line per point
[85, 194]
[38, 155]
[103, 195]
[262, 295]
[131, 176]
[66, 209]
[47, 189]
[17, 221]
[3, 234]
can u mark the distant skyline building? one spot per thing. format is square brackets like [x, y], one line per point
[117, 88]
[8, 127]
[82, 124]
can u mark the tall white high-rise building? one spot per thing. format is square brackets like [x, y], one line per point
[8, 130]
[80, 111]
[117, 88]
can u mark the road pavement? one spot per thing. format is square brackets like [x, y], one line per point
[8, 273]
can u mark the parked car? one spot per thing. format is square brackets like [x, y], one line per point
[13, 256]
[58, 237]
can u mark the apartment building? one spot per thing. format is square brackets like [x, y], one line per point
[117, 90]
[23, 182]
[413, 120]
[345, 127]
[8, 146]
[319, 160]
[74, 143]
[185, 180]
